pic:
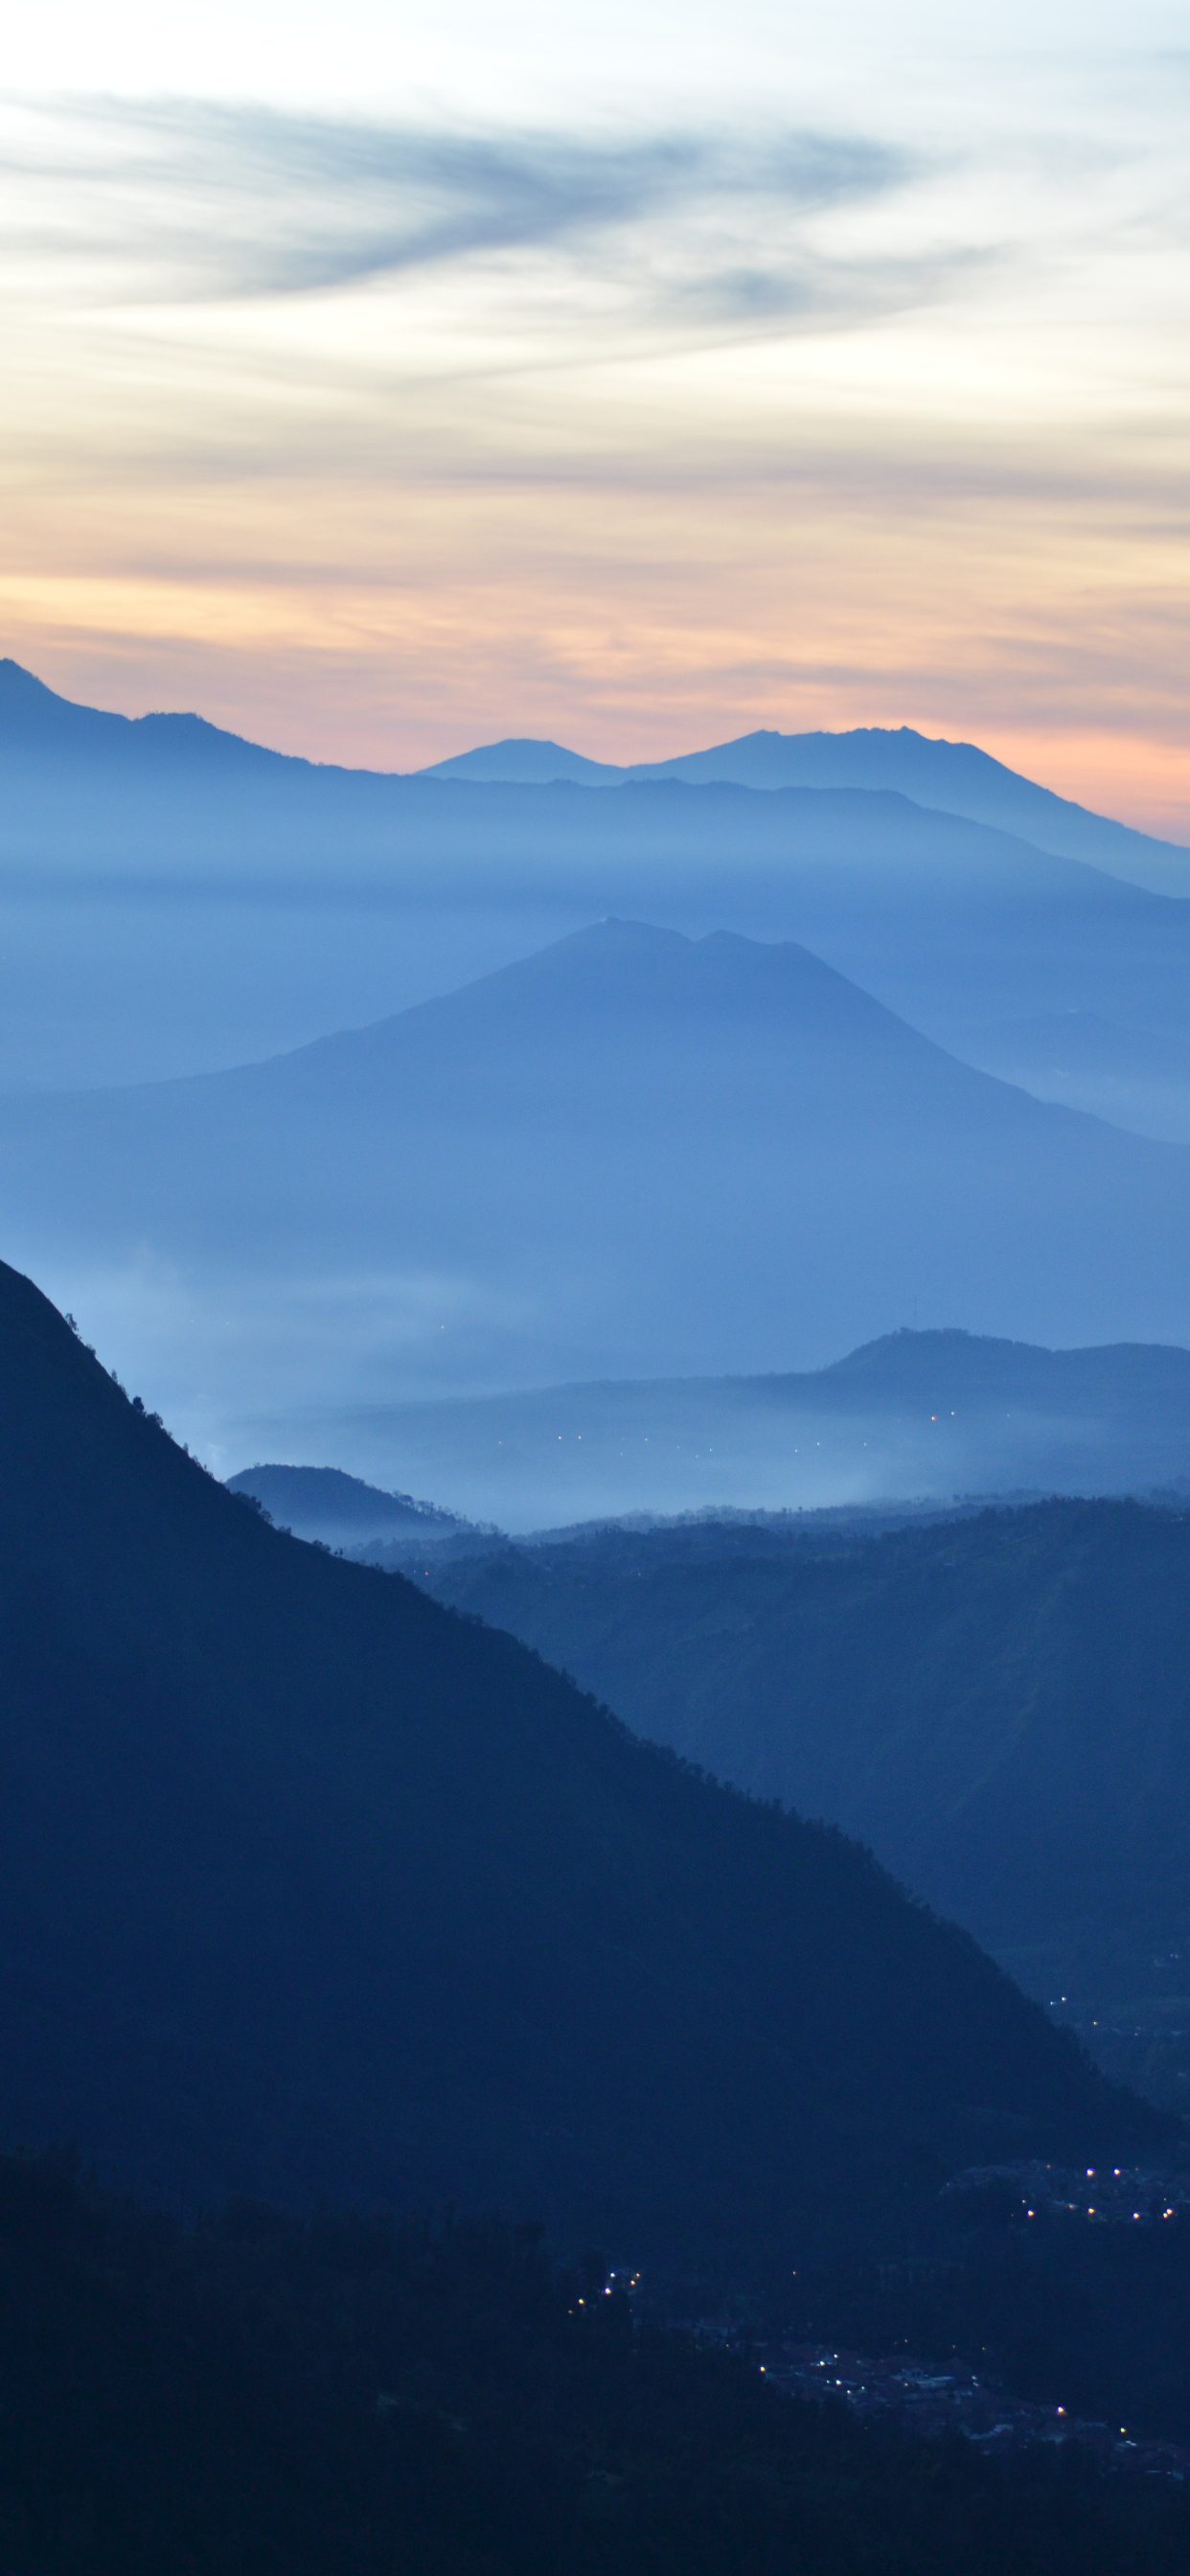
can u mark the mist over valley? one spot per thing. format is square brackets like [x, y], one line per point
[935, 1416]
[633, 1155]
[603, 1759]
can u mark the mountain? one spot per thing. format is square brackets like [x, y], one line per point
[997, 1704]
[174, 798]
[952, 777]
[173, 899]
[1121, 1387]
[340, 1511]
[521, 762]
[629, 1155]
[312, 1888]
[914, 1415]
[37, 726]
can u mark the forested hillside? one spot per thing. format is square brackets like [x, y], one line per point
[999, 1705]
[312, 1888]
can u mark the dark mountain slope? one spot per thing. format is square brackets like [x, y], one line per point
[307, 1886]
[999, 1705]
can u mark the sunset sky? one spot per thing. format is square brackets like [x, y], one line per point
[379, 382]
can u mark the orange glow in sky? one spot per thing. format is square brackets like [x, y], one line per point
[629, 380]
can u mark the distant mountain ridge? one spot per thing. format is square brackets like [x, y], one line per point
[35, 720]
[521, 761]
[931, 1366]
[913, 1416]
[271, 899]
[953, 777]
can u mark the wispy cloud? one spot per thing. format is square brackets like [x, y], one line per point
[191, 201]
[634, 389]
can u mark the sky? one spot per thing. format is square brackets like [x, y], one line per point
[379, 382]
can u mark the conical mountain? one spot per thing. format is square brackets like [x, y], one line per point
[265, 889]
[632, 1154]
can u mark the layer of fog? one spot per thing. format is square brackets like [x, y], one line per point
[1137, 1078]
[565, 1455]
[632, 1155]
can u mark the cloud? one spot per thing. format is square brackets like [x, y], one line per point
[184, 201]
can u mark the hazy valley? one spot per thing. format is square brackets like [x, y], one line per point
[918, 1416]
[668, 1804]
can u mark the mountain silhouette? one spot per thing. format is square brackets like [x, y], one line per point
[521, 761]
[951, 777]
[265, 893]
[954, 778]
[1127, 1385]
[170, 792]
[630, 1155]
[35, 722]
[342, 1511]
[310, 1887]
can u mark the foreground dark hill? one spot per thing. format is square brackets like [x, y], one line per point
[630, 1154]
[258, 2394]
[263, 2397]
[311, 1888]
[999, 1705]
